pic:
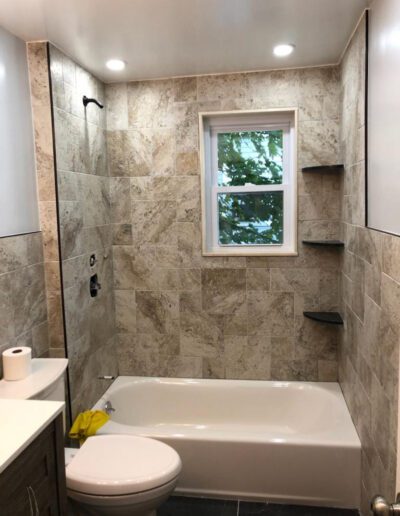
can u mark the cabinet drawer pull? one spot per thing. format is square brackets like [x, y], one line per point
[33, 502]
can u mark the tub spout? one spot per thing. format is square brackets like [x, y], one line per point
[108, 408]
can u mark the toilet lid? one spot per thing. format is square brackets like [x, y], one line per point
[121, 464]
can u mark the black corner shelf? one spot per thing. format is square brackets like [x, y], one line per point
[324, 169]
[324, 243]
[325, 317]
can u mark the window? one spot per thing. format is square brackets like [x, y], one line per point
[249, 183]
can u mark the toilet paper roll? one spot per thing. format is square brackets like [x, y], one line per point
[17, 363]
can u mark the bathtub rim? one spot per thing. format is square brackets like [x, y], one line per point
[332, 388]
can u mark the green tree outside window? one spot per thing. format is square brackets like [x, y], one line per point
[256, 158]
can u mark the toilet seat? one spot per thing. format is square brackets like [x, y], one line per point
[111, 465]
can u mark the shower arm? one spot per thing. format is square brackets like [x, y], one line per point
[87, 101]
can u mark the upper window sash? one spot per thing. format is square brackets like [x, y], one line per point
[244, 127]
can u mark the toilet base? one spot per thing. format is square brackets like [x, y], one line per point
[138, 504]
[77, 509]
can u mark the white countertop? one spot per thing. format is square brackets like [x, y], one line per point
[21, 421]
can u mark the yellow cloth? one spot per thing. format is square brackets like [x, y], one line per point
[87, 423]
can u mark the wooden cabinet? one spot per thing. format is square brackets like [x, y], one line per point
[34, 483]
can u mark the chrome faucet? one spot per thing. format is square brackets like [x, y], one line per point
[108, 408]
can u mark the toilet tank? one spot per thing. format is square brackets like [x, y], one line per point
[46, 381]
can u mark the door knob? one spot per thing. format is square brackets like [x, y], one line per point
[380, 507]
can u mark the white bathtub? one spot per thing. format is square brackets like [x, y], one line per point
[257, 440]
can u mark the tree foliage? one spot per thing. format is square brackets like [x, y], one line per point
[253, 157]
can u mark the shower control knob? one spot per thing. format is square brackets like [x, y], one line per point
[95, 286]
[380, 507]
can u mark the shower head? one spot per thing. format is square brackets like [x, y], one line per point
[87, 101]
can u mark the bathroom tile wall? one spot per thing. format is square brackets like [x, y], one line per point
[370, 297]
[85, 229]
[46, 181]
[179, 313]
[23, 311]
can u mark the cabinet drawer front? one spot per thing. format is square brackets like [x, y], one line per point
[33, 471]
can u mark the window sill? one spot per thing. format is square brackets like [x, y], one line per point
[247, 253]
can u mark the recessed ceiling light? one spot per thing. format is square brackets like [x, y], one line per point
[116, 65]
[283, 50]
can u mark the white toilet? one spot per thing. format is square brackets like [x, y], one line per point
[110, 474]
[121, 474]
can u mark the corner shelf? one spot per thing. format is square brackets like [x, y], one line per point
[324, 169]
[327, 243]
[325, 317]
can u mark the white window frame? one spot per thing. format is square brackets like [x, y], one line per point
[216, 122]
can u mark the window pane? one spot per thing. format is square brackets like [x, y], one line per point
[251, 218]
[253, 157]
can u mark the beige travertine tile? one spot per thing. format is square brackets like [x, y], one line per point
[134, 268]
[185, 89]
[329, 290]
[271, 313]
[213, 367]
[247, 358]
[117, 152]
[294, 370]
[187, 164]
[219, 87]
[40, 340]
[149, 103]
[391, 256]
[223, 290]
[282, 347]
[122, 234]
[52, 275]
[315, 341]
[48, 222]
[319, 230]
[258, 279]
[155, 222]
[276, 88]
[7, 325]
[29, 298]
[120, 199]
[295, 280]
[163, 147]
[125, 311]
[319, 143]
[357, 296]
[117, 107]
[327, 370]
[157, 312]
[201, 332]
[358, 193]
[186, 127]
[182, 367]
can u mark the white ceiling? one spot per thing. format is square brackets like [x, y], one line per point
[166, 38]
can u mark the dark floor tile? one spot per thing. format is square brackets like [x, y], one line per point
[184, 506]
[272, 509]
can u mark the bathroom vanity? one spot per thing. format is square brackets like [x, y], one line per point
[32, 471]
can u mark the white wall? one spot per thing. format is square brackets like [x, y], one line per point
[384, 116]
[18, 196]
